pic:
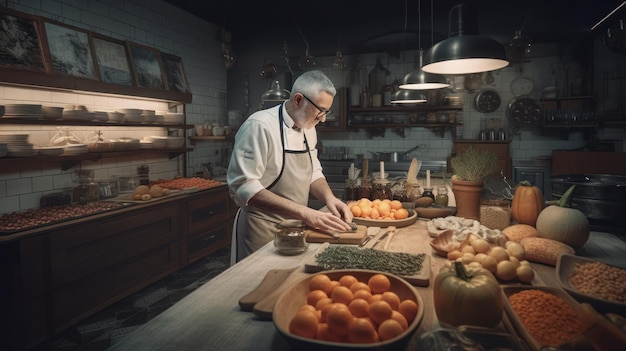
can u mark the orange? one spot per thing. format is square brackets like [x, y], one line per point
[375, 297]
[376, 202]
[308, 308]
[401, 214]
[391, 298]
[339, 319]
[363, 294]
[314, 296]
[379, 283]
[359, 308]
[356, 210]
[395, 315]
[389, 329]
[342, 294]
[359, 286]
[380, 311]
[384, 209]
[323, 302]
[374, 214]
[362, 331]
[395, 205]
[304, 324]
[320, 282]
[408, 308]
[347, 280]
[334, 284]
[324, 311]
[365, 211]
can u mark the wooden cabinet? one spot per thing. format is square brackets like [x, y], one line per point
[58, 275]
[209, 224]
[500, 147]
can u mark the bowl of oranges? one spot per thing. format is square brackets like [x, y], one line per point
[349, 309]
[381, 213]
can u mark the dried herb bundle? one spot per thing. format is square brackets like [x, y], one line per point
[350, 257]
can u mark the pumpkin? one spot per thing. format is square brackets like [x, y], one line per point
[467, 295]
[527, 203]
[563, 223]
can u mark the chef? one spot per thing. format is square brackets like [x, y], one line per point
[274, 167]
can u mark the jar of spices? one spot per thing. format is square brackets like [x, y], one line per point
[442, 197]
[428, 192]
[381, 189]
[351, 191]
[365, 189]
[290, 237]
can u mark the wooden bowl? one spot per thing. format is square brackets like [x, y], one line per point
[565, 266]
[398, 223]
[294, 297]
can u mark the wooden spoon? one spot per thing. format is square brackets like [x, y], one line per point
[413, 170]
[365, 168]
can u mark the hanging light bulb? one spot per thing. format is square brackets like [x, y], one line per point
[418, 79]
[464, 52]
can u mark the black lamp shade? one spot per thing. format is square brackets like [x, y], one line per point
[406, 96]
[464, 52]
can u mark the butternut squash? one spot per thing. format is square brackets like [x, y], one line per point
[527, 203]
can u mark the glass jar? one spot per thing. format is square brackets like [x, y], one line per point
[381, 189]
[428, 192]
[365, 189]
[442, 197]
[412, 192]
[86, 190]
[351, 191]
[290, 238]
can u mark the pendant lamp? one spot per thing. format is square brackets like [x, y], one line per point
[407, 96]
[275, 93]
[420, 80]
[464, 51]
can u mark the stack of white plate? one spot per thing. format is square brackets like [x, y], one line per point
[158, 142]
[171, 142]
[4, 150]
[23, 111]
[17, 145]
[148, 116]
[100, 116]
[52, 112]
[80, 115]
[174, 118]
[75, 149]
[132, 115]
[114, 116]
[50, 150]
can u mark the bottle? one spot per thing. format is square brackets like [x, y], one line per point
[442, 197]
[428, 192]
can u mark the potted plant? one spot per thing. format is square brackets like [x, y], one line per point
[470, 167]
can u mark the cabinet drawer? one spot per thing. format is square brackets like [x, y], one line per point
[202, 244]
[206, 212]
[94, 248]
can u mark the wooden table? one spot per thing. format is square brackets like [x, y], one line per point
[210, 317]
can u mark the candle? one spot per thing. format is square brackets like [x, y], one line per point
[382, 170]
[428, 178]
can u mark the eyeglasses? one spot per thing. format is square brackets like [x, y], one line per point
[322, 111]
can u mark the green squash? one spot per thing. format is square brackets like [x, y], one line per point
[563, 223]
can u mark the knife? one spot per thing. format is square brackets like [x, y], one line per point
[380, 239]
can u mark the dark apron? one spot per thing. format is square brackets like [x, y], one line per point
[255, 227]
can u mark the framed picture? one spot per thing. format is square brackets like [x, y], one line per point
[112, 59]
[70, 50]
[20, 41]
[175, 76]
[146, 63]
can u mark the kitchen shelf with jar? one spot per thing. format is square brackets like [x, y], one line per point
[411, 117]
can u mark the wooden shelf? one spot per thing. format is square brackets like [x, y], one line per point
[67, 122]
[404, 109]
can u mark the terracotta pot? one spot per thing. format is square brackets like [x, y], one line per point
[467, 196]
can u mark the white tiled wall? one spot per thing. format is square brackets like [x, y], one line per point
[153, 23]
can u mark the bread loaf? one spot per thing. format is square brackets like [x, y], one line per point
[544, 250]
[517, 232]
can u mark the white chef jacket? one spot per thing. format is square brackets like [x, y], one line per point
[257, 156]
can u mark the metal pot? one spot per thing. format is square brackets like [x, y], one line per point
[598, 196]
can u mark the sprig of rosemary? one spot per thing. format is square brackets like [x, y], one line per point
[350, 257]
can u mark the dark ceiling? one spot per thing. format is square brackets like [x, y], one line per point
[358, 26]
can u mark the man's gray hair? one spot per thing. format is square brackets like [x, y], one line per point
[311, 83]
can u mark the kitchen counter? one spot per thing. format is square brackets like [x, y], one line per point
[210, 318]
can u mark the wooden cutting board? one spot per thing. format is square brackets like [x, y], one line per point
[421, 278]
[273, 279]
[353, 238]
